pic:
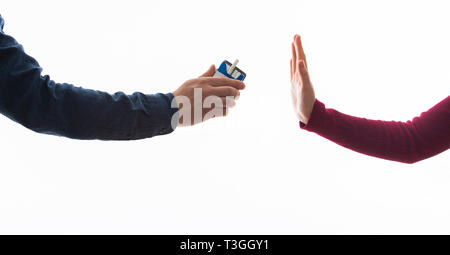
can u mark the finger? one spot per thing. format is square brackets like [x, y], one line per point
[210, 72]
[299, 49]
[224, 91]
[294, 59]
[303, 72]
[291, 69]
[222, 81]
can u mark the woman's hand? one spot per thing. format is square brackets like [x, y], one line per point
[302, 91]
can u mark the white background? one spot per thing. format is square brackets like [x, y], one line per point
[255, 171]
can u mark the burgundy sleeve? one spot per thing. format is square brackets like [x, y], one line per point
[406, 142]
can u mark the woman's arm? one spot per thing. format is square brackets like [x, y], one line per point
[407, 142]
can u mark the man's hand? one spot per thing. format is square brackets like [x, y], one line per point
[302, 91]
[206, 97]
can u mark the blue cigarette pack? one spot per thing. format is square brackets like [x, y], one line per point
[226, 69]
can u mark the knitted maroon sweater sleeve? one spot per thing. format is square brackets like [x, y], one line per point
[407, 142]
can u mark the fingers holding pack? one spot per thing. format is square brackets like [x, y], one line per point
[222, 81]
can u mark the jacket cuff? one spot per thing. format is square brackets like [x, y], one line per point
[317, 120]
[164, 117]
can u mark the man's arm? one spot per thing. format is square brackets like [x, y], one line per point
[44, 106]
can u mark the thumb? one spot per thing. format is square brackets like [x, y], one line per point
[210, 72]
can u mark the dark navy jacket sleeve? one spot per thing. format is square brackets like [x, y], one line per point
[44, 106]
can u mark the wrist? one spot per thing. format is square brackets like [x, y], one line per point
[303, 120]
[306, 112]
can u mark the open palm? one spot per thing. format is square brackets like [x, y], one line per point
[302, 91]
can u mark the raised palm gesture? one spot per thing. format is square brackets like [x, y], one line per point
[302, 91]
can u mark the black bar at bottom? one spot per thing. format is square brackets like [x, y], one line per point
[227, 245]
